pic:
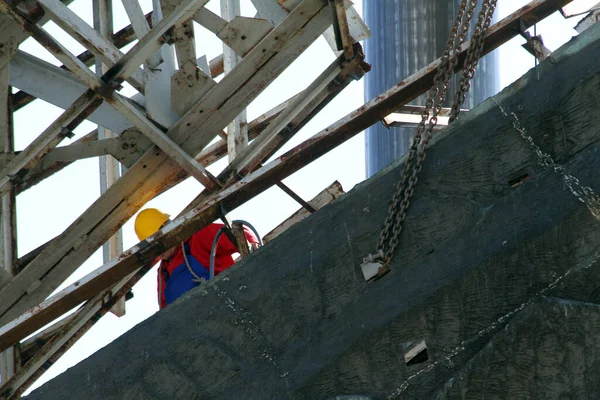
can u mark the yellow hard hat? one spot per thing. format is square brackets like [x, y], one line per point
[148, 222]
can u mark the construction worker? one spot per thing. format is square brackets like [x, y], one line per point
[185, 266]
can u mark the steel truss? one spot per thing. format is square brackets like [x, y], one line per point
[166, 142]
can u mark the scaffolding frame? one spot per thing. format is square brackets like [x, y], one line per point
[166, 141]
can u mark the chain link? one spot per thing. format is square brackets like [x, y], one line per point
[433, 105]
[433, 94]
[584, 194]
[473, 55]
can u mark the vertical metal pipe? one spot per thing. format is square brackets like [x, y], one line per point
[406, 36]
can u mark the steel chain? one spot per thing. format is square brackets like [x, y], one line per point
[584, 194]
[473, 55]
[428, 105]
[436, 96]
[433, 93]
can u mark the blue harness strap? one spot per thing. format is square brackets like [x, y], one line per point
[181, 279]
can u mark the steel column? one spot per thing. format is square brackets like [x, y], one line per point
[109, 167]
[237, 130]
[8, 232]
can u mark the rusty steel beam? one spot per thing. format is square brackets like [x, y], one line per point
[53, 135]
[150, 173]
[254, 154]
[90, 39]
[343, 29]
[263, 148]
[303, 117]
[30, 347]
[307, 104]
[208, 156]
[261, 179]
[105, 87]
[60, 338]
[35, 176]
[120, 39]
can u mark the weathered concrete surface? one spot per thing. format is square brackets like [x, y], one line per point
[296, 320]
[558, 338]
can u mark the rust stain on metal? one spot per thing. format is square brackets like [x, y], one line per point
[299, 156]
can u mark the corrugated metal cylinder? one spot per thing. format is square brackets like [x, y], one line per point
[406, 36]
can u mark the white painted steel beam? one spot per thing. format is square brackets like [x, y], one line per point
[109, 168]
[64, 337]
[140, 27]
[122, 105]
[276, 11]
[153, 171]
[164, 142]
[343, 29]
[237, 130]
[158, 84]
[278, 48]
[129, 146]
[53, 135]
[210, 20]
[151, 42]
[61, 88]
[89, 38]
[587, 22]
[58, 87]
[130, 112]
[409, 116]
[80, 151]
[263, 145]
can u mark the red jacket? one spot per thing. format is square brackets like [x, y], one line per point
[200, 244]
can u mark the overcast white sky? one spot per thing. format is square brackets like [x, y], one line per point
[66, 195]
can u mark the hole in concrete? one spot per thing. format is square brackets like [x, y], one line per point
[517, 181]
[415, 352]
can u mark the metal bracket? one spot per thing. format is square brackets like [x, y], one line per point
[374, 267]
[534, 45]
[341, 29]
[415, 352]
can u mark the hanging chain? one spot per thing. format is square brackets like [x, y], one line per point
[584, 194]
[433, 95]
[473, 55]
[433, 106]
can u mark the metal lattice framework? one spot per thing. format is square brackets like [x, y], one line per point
[162, 135]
